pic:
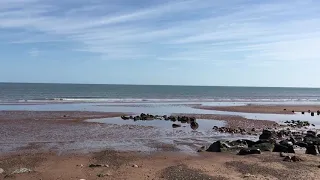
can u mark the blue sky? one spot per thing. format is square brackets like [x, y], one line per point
[176, 42]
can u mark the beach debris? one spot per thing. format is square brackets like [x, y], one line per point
[1, 171]
[98, 165]
[21, 170]
[135, 166]
[176, 125]
[248, 175]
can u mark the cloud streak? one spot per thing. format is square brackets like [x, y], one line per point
[192, 30]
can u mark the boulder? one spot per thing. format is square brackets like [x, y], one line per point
[311, 149]
[266, 146]
[194, 125]
[283, 147]
[246, 151]
[224, 146]
[266, 134]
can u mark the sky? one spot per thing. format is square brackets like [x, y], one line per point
[172, 42]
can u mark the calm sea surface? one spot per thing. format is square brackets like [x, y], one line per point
[21, 92]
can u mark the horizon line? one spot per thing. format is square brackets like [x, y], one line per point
[64, 83]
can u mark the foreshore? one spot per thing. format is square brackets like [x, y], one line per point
[62, 145]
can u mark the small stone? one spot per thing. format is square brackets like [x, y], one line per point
[135, 166]
[1, 171]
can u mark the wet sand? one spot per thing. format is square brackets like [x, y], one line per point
[234, 121]
[267, 109]
[61, 145]
[165, 166]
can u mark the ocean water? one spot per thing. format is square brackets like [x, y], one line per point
[29, 92]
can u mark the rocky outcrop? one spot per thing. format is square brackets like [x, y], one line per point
[246, 151]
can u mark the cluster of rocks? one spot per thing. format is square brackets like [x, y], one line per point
[298, 123]
[235, 130]
[269, 141]
[142, 116]
[182, 119]
[312, 113]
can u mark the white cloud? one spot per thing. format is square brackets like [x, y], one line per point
[192, 30]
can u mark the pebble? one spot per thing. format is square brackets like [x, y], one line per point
[135, 166]
[1, 171]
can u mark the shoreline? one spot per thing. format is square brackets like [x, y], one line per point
[263, 109]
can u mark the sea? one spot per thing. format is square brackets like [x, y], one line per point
[43, 92]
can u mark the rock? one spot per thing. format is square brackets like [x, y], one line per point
[311, 134]
[293, 111]
[176, 125]
[1, 171]
[135, 166]
[266, 146]
[284, 146]
[246, 151]
[309, 111]
[194, 125]
[302, 112]
[311, 149]
[301, 144]
[312, 114]
[284, 109]
[224, 146]
[266, 134]
[253, 129]
[282, 154]
[125, 117]
[296, 159]
[21, 170]
[287, 159]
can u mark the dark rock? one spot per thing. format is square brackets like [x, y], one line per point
[312, 114]
[215, 127]
[249, 142]
[253, 129]
[302, 112]
[311, 134]
[296, 159]
[176, 125]
[224, 146]
[311, 149]
[287, 159]
[246, 151]
[266, 134]
[266, 146]
[284, 109]
[309, 111]
[292, 111]
[124, 117]
[301, 144]
[194, 125]
[284, 146]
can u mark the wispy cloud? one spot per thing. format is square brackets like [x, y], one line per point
[183, 30]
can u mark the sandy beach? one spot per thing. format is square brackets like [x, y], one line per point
[62, 145]
[268, 109]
